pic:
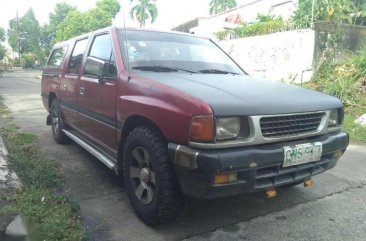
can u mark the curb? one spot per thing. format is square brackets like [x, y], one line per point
[8, 179]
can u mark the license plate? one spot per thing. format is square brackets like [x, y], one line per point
[302, 153]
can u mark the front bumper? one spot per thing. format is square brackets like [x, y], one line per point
[257, 167]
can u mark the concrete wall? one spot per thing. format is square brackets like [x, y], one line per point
[248, 13]
[344, 40]
[285, 56]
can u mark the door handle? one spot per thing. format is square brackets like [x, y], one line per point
[82, 90]
[56, 77]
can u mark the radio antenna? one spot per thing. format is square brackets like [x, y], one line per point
[125, 40]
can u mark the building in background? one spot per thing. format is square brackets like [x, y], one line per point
[245, 13]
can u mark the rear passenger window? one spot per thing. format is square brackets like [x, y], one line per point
[77, 56]
[57, 57]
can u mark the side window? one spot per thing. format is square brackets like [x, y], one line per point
[102, 47]
[57, 57]
[101, 58]
[77, 56]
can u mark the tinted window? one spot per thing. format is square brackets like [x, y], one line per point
[77, 56]
[102, 47]
[57, 57]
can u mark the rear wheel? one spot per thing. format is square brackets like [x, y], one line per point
[149, 177]
[57, 123]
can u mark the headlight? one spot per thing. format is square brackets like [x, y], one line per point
[335, 118]
[227, 128]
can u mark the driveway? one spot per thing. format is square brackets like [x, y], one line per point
[107, 215]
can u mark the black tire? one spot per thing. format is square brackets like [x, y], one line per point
[57, 123]
[146, 152]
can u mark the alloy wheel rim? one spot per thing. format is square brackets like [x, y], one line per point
[55, 121]
[142, 175]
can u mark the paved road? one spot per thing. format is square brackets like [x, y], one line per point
[333, 209]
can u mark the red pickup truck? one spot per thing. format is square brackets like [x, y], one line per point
[176, 116]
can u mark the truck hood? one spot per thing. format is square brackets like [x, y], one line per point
[232, 95]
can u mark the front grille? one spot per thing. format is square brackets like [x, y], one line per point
[289, 125]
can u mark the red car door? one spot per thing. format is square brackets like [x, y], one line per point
[69, 89]
[97, 98]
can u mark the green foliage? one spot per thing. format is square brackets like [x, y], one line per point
[260, 28]
[336, 11]
[266, 18]
[222, 35]
[26, 34]
[2, 34]
[27, 60]
[144, 10]
[340, 79]
[343, 80]
[218, 6]
[2, 52]
[76, 23]
[48, 32]
[265, 24]
[49, 214]
[356, 131]
[2, 48]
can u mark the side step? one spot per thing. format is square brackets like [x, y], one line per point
[102, 157]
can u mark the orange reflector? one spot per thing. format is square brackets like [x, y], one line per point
[308, 183]
[338, 153]
[202, 128]
[271, 193]
[225, 178]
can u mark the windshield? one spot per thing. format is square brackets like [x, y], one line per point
[169, 52]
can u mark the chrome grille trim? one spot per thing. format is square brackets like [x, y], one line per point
[287, 125]
[256, 137]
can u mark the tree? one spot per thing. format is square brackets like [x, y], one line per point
[218, 6]
[2, 48]
[336, 11]
[77, 23]
[48, 31]
[25, 33]
[144, 10]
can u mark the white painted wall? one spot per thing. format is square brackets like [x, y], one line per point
[284, 56]
[248, 13]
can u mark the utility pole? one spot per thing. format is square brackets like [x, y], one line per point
[18, 36]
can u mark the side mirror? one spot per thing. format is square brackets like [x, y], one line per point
[96, 68]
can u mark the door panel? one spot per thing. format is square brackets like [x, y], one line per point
[69, 88]
[97, 114]
[97, 99]
[69, 99]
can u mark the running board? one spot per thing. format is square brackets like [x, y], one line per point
[103, 158]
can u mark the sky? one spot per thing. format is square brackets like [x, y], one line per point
[170, 12]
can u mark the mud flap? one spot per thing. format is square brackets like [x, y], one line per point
[48, 120]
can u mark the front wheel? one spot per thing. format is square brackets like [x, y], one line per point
[57, 123]
[149, 177]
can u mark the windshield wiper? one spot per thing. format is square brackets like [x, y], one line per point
[159, 68]
[216, 71]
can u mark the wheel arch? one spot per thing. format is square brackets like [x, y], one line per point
[130, 124]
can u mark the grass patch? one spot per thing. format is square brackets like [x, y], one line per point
[50, 215]
[345, 80]
[356, 131]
